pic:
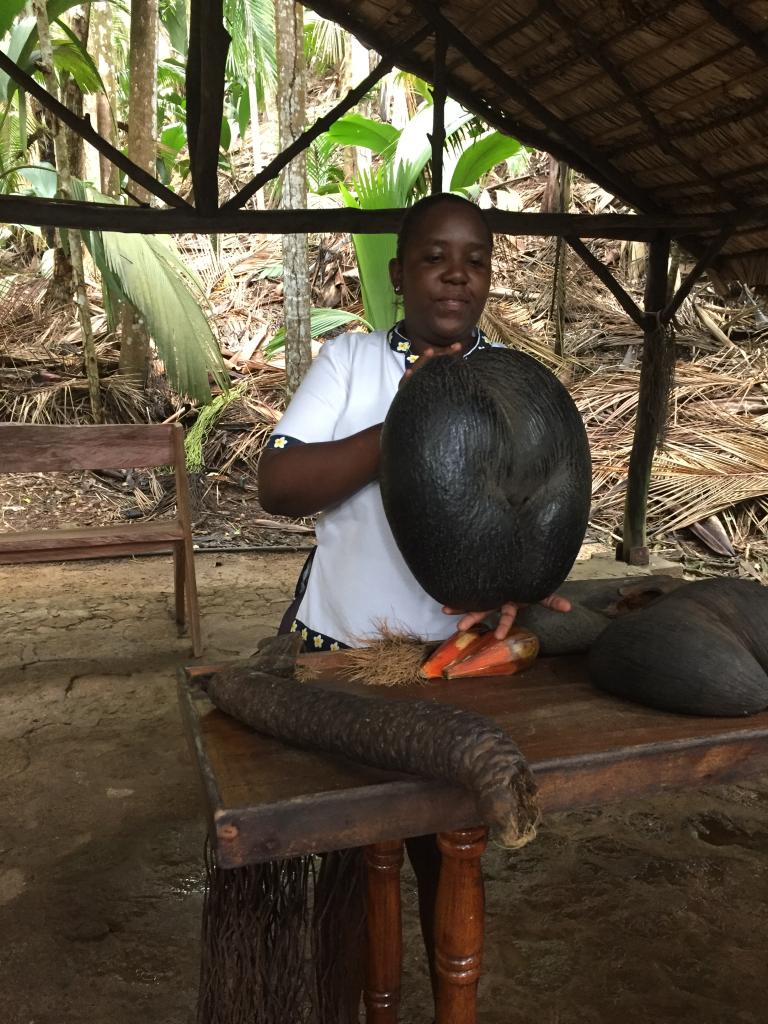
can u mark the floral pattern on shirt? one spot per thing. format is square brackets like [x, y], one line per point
[316, 641]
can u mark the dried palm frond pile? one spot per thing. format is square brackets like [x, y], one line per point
[715, 454]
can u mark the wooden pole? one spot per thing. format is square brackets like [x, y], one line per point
[602, 272]
[385, 932]
[208, 45]
[655, 378]
[143, 220]
[438, 111]
[460, 918]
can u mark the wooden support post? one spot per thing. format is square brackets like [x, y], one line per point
[460, 918]
[655, 378]
[385, 932]
[206, 64]
[438, 111]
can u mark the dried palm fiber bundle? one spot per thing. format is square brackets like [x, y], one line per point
[492, 453]
[283, 940]
[417, 736]
[388, 659]
[700, 650]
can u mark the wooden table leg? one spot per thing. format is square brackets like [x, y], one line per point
[385, 932]
[459, 922]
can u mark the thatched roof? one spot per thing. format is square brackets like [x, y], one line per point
[663, 103]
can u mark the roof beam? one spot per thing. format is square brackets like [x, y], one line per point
[579, 145]
[82, 127]
[602, 272]
[57, 213]
[667, 145]
[644, 14]
[496, 116]
[750, 37]
[706, 260]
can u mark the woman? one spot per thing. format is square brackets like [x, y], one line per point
[324, 456]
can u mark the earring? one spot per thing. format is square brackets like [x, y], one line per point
[396, 289]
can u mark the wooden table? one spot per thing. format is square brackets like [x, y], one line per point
[267, 800]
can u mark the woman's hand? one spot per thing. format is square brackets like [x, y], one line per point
[430, 353]
[508, 614]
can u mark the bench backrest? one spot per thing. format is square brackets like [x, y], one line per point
[29, 448]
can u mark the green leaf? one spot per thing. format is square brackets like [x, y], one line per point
[22, 55]
[225, 135]
[9, 11]
[322, 321]
[42, 179]
[387, 187]
[174, 138]
[414, 147]
[147, 271]
[14, 48]
[243, 112]
[355, 130]
[481, 156]
[70, 58]
[173, 15]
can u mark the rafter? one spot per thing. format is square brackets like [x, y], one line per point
[206, 65]
[755, 40]
[505, 81]
[661, 83]
[694, 274]
[82, 127]
[647, 116]
[602, 272]
[654, 51]
[495, 115]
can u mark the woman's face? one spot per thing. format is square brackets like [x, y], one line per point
[444, 275]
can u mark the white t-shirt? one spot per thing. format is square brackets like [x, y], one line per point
[359, 581]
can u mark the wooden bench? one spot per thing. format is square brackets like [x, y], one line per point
[267, 800]
[28, 448]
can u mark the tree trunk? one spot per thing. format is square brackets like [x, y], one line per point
[74, 238]
[291, 101]
[142, 149]
[557, 199]
[103, 55]
[253, 103]
[72, 97]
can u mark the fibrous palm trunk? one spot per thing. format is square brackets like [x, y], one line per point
[73, 236]
[291, 105]
[142, 149]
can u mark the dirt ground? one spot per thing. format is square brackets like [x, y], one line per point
[655, 911]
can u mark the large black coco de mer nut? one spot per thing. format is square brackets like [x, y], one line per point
[700, 650]
[486, 478]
